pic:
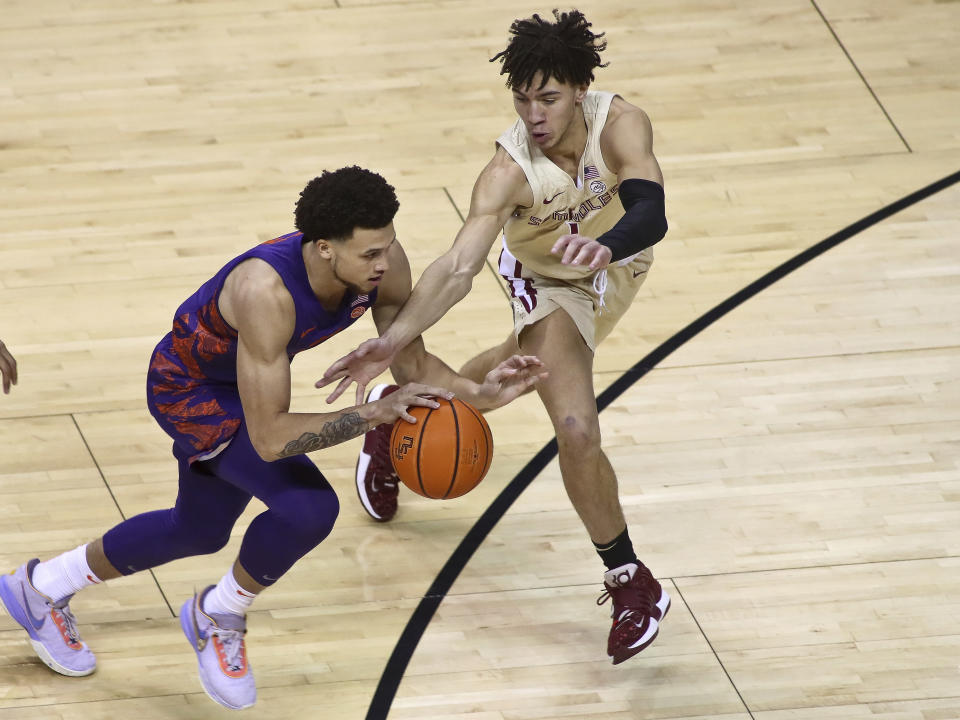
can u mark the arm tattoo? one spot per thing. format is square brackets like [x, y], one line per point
[336, 431]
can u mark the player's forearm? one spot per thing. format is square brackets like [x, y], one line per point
[441, 286]
[431, 370]
[289, 434]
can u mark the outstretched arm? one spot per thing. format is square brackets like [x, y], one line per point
[413, 363]
[498, 191]
[505, 383]
[8, 368]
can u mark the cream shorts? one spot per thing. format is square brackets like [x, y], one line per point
[595, 303]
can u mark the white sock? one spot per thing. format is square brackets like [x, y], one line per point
[228, 598]
[64, 575]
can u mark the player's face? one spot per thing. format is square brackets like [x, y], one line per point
[548, 111]
[360, 261]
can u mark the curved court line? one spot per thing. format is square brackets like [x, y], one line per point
[407, 644]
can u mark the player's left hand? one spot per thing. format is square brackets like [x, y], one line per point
[361, 366]
[582, 250]
[509, 380]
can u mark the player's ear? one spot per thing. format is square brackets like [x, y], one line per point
[581, 93]
[323, 246]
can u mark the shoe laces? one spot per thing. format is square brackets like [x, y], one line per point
[69, 626]
[233, 648]
[629, 596]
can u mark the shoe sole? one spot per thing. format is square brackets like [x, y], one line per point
[663, 604]
[363, 462]
[187, 626]
[13, 607]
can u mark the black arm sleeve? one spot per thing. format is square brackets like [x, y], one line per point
[643, 225]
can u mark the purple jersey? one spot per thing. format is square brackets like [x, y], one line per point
[192, 381]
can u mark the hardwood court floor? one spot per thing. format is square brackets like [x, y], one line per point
[792, 473]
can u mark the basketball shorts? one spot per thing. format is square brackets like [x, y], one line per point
[596, 303]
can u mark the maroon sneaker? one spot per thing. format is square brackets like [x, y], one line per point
[639, 604]
[377, 483]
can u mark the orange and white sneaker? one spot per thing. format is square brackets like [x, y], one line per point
[50, 624]
[221, 653]
[639, 605]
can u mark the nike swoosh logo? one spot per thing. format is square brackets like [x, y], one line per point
[201, 639]
[547, 202]
[37, 624]
[637, 272]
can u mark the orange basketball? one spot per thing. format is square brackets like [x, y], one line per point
[446, 453]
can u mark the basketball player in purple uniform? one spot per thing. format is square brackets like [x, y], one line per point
[576, 190]
[219, 385]
[8, 368]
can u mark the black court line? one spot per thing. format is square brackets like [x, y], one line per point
[116, 502]
[417, 624]
[713, 650]
[862, 77]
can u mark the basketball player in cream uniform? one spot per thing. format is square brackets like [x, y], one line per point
[578, 195]
[585, 205]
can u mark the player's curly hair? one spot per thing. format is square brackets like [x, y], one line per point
[332, 205]
[565, 50]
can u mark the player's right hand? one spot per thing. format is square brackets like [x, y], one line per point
[8, 368]
[395, 405]
[578, 249]
[361, 366]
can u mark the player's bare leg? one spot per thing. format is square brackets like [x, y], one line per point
[97, 560]
[567, 395]
[639, 602]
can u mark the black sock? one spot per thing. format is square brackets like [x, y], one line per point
[618, 551]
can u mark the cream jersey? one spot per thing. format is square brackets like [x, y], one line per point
[586, 205]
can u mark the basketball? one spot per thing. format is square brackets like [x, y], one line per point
[446, 453]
